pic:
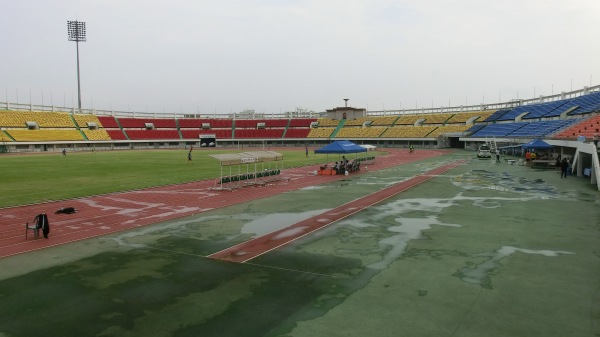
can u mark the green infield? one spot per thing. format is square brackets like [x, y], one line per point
[35, 178]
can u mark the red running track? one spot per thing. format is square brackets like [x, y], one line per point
[110, 213]
[248, 250]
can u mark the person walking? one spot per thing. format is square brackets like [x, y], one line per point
[307, 152]
[190, 156]
[498, 156]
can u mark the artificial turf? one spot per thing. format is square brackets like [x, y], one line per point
[41, 177]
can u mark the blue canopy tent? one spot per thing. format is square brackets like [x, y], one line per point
[537, 144]
[341, 147]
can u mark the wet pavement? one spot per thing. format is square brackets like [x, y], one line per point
[482, 250]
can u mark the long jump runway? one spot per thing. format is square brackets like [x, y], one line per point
[110, 213]
[248, 250]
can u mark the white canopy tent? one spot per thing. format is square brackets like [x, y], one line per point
[369, 147]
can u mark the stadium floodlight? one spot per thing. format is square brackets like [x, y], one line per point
[76, 30]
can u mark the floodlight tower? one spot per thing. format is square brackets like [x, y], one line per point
[76, 30]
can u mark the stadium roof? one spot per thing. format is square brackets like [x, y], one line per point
[227, 159]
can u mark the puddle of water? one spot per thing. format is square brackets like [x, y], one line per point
[269, 223]
[505, 182]
[290, 233]
[480, 273]
[409, 229]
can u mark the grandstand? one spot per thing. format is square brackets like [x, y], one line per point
[568, 121]
[566, 116]
[360, 132]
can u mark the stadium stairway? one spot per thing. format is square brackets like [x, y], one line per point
[338, 128]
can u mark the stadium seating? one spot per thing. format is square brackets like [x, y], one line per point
[498, 130]
[536, 122]
[324, 122]
[297, 133]
[191, 123]
[533, 111]
[158, 123]
[582, 127]
[301, 122]
[384, 121]
[522, 129]
[540, 129]
[152, 134]
[358, 121]
[195, 134]
[247, 123]
[585, 104]
[408, 119]
[439, 118]
[47, 135]
[320, 132]
[220, 123]
[116, 134]
[276, 123]
[463, 117]
[258, 133]
[82, 120]
[108, 121]
[43, 119]
[360, 132]
[96, 134]
[550, 109]
[579, 105]
[497, 115]
[448, 129]
[476, 127]
[408, 131]
[269, 123]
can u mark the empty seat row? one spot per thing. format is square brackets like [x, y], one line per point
[580, 105]
[10, 119]
[248, 176]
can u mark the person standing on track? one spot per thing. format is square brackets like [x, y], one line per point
[564, 168]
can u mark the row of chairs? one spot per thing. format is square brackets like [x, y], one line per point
[366, 160]
[244, 179]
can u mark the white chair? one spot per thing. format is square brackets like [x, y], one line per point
[34, 228]
[40, 222]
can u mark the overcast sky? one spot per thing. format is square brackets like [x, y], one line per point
[277, 55]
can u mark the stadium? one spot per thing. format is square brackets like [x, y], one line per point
[568, 120]
[291, 251]
[299, 169]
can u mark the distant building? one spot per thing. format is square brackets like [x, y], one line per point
[346, 112]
